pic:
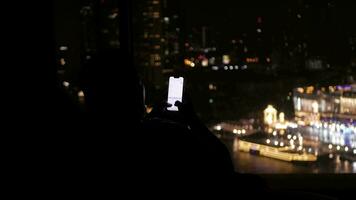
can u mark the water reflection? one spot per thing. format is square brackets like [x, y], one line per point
[249, 163]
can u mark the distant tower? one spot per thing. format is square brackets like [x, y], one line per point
[270, 115]
[100, 22]
[158, 41]
[148, 19]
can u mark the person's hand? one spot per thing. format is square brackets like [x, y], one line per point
[160, 109]
[185, 114]
[186, 108]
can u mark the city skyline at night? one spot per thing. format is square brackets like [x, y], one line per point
[240, 98]
[237, 57]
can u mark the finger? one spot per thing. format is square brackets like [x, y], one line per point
[178, 104]
[163, 104]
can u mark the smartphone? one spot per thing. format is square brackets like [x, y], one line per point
[175, 92]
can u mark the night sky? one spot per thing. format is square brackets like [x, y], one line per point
[229, 11]
[237, 15]
[327, 23]
[229, 19]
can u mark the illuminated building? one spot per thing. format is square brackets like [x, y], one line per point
[68, 45]
[82, 30]
[270, 115]
[281, 117]
[86, 27]
[149, 30]
[338, 103]
[108, 14]
[158, 39]
[226, 59]
[348, 105]
[314, 64]
[100, 24]
[172, 33]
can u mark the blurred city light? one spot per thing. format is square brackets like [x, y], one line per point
[226, 59]
[66, 84]
[215, 68]
[80, 94]
[63, 48]
[62, 61]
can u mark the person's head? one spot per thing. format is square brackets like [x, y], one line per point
[113, 87]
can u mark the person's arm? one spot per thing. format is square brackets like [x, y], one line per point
[214, 146]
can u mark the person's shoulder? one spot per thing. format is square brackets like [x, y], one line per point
[158, 130]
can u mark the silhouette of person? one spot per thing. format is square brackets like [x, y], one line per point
[181, 144]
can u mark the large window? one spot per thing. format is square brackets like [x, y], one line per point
[275, 81]
[245, 58]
